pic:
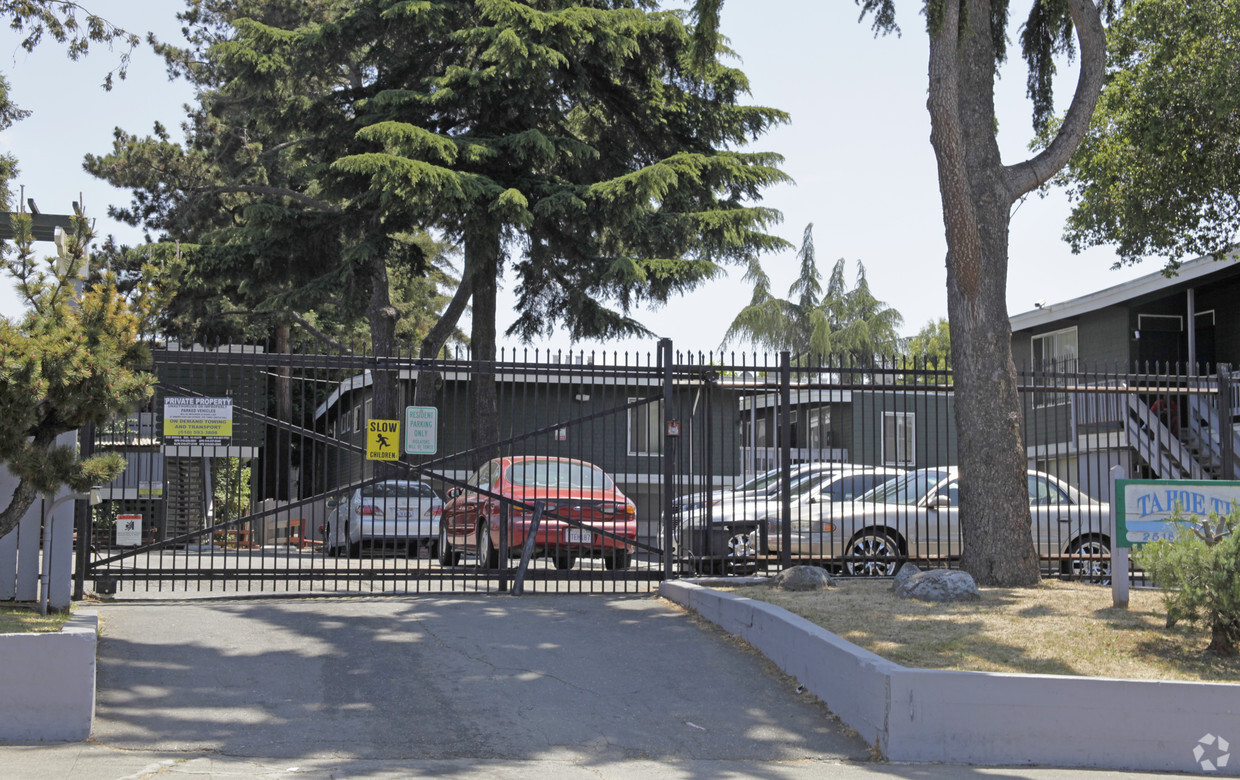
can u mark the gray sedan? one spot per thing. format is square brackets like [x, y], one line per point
[917, 516]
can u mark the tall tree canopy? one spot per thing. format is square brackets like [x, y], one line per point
[65, 23]
[1159, 170]
[574, 145]
[814, 322]
[931, 346]
[968, 40]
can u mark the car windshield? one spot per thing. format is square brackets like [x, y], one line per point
[395, 490]
[558, 474]
[770, 481]
[908, 489]
[762, 482]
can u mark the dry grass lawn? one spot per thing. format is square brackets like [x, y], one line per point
[1059, 628]
[24, 620]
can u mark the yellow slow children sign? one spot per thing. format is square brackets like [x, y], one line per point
[383, 440]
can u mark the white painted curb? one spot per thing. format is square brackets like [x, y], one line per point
[47, 683]
[986, 718]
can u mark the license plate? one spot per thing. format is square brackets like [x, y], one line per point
[578, 536]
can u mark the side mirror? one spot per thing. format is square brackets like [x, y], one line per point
[332, 503]
[453, 492]
[941, 500]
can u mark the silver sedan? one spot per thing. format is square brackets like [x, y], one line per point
[918, 516]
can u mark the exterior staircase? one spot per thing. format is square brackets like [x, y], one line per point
[1194, 452]
[187, 489]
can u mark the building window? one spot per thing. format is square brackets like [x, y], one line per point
[899, 438]
[645, 435]
[819, 421]
[1054, 354]
[759, 433]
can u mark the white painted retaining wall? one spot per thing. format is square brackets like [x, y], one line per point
[985, 718]
[47, 683]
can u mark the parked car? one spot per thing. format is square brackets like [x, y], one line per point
[818, 500]
[391, 513]
[751, 497]
[917, 515]
[729, 534]
[581, 500]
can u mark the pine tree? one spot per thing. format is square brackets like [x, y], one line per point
[73, 359]
[835, 321]
[576, 146]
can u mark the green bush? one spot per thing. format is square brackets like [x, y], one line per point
[1199, 572]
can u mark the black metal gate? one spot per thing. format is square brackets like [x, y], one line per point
[288, 495]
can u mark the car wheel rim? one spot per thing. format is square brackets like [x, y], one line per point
[484, 547]
[741, 546]
[1090, 565]
[875, 548]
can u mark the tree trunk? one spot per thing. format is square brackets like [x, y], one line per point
[277, 454]
[426, 391]
[977, 193]
[1224, 637]
[27, 491]
[482, 250]
[385, 392]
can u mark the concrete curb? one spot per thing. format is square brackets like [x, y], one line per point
[47, 683]
[921, 715]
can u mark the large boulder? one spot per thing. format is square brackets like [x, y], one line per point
[801, 578]
[902, 576]
[940, 585]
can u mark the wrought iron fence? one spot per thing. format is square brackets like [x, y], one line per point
[326, 476]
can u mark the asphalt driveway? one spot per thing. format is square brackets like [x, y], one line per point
[585, 679]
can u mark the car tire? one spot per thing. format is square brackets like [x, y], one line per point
[617, 561]
[488, 556]
[355, 549]
[874, 543]
[564, 561]
[742, 554]
[448, 556]
[707, 566]
[1089, 561]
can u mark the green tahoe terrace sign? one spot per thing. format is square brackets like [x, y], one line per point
[1144, 505]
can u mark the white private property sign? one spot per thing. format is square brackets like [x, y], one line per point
[128, 530]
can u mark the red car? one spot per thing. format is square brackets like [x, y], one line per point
[572, 489]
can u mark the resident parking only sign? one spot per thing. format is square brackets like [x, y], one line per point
[383, 440]
[421, 424]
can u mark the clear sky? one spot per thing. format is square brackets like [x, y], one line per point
[857, 146]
